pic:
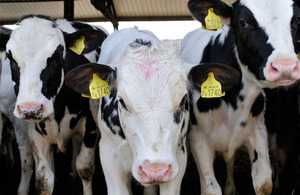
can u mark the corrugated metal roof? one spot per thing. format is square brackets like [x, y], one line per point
[126, 10]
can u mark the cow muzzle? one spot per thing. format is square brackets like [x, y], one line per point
[30, 112]
[284, 71]
[155, 173]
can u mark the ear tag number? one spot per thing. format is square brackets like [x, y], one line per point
[212, 21]
[98, 88]
[78, 46]
[211, 88]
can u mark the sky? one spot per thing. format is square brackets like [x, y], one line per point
[163, 30]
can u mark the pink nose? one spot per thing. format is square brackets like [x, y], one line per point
[155, 173]
[31, 111]
[284, 70]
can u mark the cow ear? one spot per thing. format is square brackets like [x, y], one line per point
[92, 39]
[199, 9]
[227, 76]
[4, 37]
[80, 77]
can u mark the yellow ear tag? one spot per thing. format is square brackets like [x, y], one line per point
[98, 88]
[211, 88]
[0, 55]
[298, 55]
[78, 46]
[213, 21]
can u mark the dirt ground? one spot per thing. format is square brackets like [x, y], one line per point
[10, 176]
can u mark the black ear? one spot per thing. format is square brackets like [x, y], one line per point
[92, 39]
[80, 77]
[199, 9]
[4, 37]
[227, 76]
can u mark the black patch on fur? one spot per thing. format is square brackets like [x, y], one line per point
[255, 156]
[90, 136]
[51, 76]
[73, 122]
[182, 126]
[258, 105]
[107, 109]
[40, 128]
[192, 113]
[183, 106]
[15, 71]
[140, 42]
[206, 104]
[181, 145]
[241, 98]
[243, 124]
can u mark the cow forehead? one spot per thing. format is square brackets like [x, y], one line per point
[267, 12]
[274, 17]
[34, 40]
[151, 77]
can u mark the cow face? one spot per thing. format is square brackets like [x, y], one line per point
[36, 50]
[265, 37]
[152, 106]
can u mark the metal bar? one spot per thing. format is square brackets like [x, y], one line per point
[69, 10]
[27, 1]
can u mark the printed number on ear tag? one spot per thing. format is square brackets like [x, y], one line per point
[211, 88]
[78, 46]
[98, 88]
[212, 21]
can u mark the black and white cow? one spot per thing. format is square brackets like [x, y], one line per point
[258, 40]
[143, 122]
[7, 105]
[39, 56]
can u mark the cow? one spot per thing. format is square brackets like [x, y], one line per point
[144, 118]
[41, 51]
[20, 127]
[257, 39]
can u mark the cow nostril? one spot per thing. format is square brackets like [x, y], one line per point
[274, 68]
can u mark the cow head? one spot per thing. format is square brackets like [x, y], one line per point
[265, 34]
[36, 50]
[152, 106]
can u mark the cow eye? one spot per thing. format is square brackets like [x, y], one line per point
[243, 24]
[13, 65]
[296, 23]
[121, 101]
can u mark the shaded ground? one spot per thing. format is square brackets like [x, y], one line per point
[9, 177]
